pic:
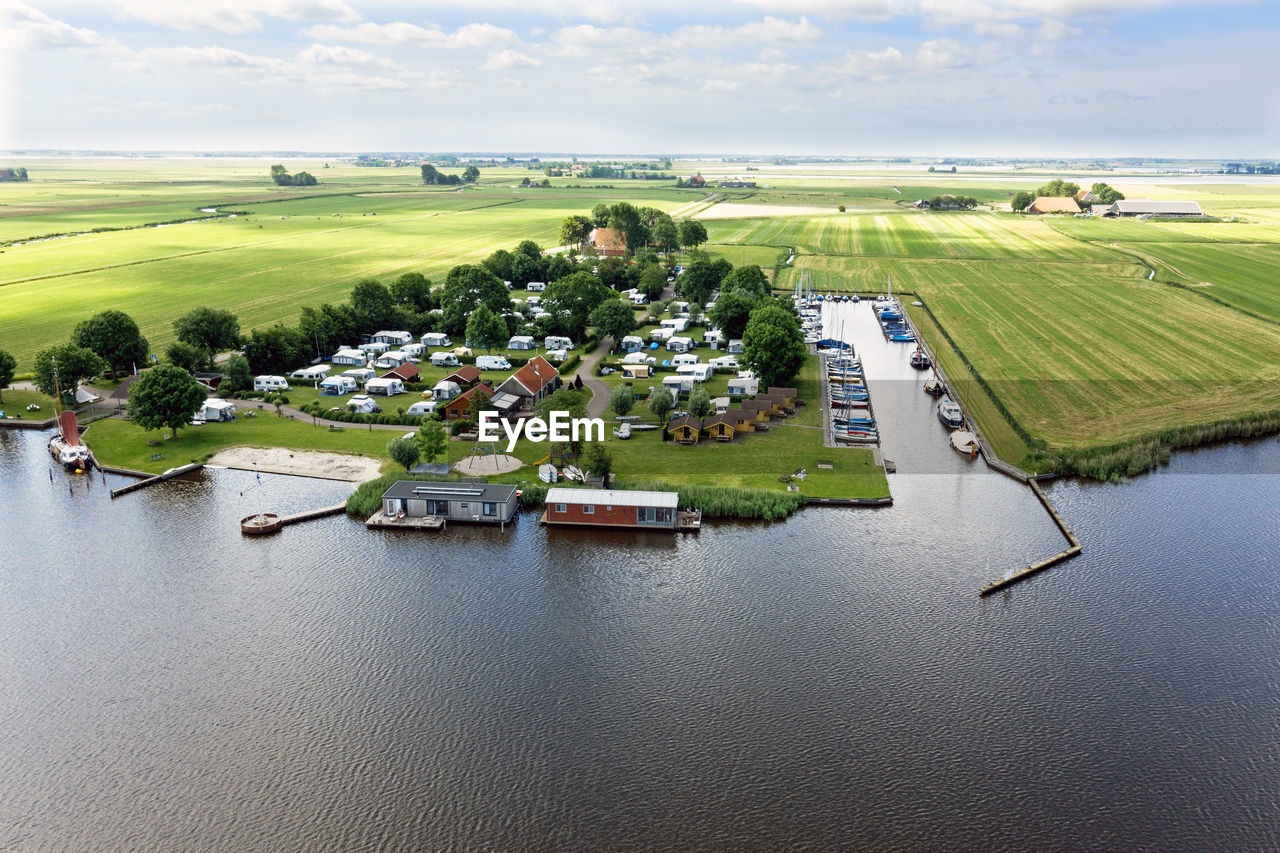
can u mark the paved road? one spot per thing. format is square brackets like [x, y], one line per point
[599, 390]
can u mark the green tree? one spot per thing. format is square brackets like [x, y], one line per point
[525, 269]
[186, 356]
[116, 339]
[470, 174]
[731, 313]
[304, 179]
[574, 230]
[700, 403]
[404, 451]
[479, 403]
[75, 365]
[165, 396]
[432, 439]
[467, 286]
[577, 295]
[597, 461]
[749, 281]
[209, 330]
[652, 282]
[600, 215]
[499, 263]
[623, 399]
[613, 318]
[373, 305]
[626, 218]
[236, 375]
[275, 349]
[530, 250]
[661, 403]
[692, 233]
[666, 235]
[1021, 200]
[281, 176]
[1107, 194]
[8, 365]
[698, 280]
[413, 291]
[1058, 188]
[430, 175]
[773, 345]
[485, 329]
[565, 400]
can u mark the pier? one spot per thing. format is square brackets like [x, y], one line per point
[159, 478]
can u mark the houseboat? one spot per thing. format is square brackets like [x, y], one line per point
[616, 508]
[484, 503]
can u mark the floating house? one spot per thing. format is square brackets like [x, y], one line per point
[612, 508]
[484, 503]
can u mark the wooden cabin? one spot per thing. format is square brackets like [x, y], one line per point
[612, 508]
[759, 410]
[744, 420]
[485, 503]
[720, 427]
[685, 429]
[788, 395]
[458, 408]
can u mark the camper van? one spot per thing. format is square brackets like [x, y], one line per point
[492, 362]
[338, 385]
[360, 375]
[444, 359]
[557, 342]
[387, 386]
[699, 372]
[521, 342]
[423, 407]
[269, 383]
[555, 356]
[311, 374]
[436, 339]
[684, 358]
[679, 344]
[363, 404]
[639, 299]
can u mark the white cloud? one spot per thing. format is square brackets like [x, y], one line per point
[999, 30]
[323, 54]
[400, 32]
[233, 16]
[24, 26]
[1052, 30]
[929, 58]
[510, 59]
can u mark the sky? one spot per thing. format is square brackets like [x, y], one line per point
[967, 78]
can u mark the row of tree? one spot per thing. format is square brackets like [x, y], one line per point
[431, 176]
[1058, 188]
[643, 227]
[281, 176]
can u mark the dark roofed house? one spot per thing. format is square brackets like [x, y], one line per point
[687, 429]
[607, 242]
[1054, 204]
[532, 382]
[788, 395]
[744, 420]
[721, 427]
[465, 376]
[491, 503]
[457, 408]
[405, 373]
[758, 409]
[1145, 207]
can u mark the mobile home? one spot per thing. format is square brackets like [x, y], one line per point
[384, 386]
[735, 347]
[375, 347]
[445, 390]
[338, 385]
[435, 339]
[363, 404]
[631, 343]
[699, 372]
[557, 342]
[678, 384]
[390, 360]
[684, 358]
[361, 375]
[269, 383]
[744, 387]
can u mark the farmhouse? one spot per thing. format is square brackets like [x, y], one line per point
[485, 503]
[532, 382]
[607, 242]
[1144, 207]
[685, 429]
[1054, 204]
[697, 181]
[735, 184]
[612, 508]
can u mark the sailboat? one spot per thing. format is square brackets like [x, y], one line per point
[66, 447]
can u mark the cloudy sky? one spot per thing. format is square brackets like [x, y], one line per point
[875, 77]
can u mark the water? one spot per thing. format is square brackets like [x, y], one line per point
[831, 682]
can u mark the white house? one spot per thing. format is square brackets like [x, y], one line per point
[631, 343]
[314, 373]
[395, 339]
[435, 339]
[338, 385]
[521, 342]
[744, 387]
[361, 375]
[351, 357]
[680, 344]
[387, 387]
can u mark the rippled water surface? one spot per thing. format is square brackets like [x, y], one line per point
[832, 682]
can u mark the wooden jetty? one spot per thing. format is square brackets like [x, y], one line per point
[381, 520]
[260, 524]
[687, 519]
[1074, 543]
[159, 478]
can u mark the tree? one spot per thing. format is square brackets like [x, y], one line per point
[530, 250]
[185, 356]
[470, 174]
[525, 269]
[499, 263]
[773, 345]
[652, 282]
[613, 318]
[485, 329]
[731, 313]
[430, 175]
[467, 286]
[373, 305]
[8, 364]
[209, 330]
[1058, 188]
[700, 403]
[932, 169]
[304, 179]
[413, 291]
[432, 439]
[749, 281]
[75, 364]
[692, 233]
[623, 399]
[1021, 200]
[563, 400]
[666, 235]
[626, 218]
[115, 337]
[1107, 194]
[574, 230]
[697, 281]
[479, 403]
[661, 403]
[577, 295]
[597, 461]
[236, 375]
[558, 266]
[600, 215]
[165, 396]
[275, 349]
[281, 176]
[404, 451]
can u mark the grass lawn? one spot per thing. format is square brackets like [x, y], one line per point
[14, 402]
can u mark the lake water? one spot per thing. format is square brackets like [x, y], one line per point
[831, 682]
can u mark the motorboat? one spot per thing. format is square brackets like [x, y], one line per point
[950, 413]
[622, 432]
[919, 359]
[903, 337]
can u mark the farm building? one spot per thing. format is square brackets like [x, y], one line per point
[405, 373]
[685, 429]
[612, 508]
[465, 376]
[485, 503]
[721, 427]
[395, 339]
[532, 382]
[1143, 207]
[1087, 197]
[1100, 210]
[350, 357]
[607, 242]
[1054, 204]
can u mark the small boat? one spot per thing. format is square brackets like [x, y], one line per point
[643, 427]
[844, 298]
[547, 473]
[919, 360]
[933, 387]
[65, 446]
[843, 403]
[854, 298]
[903, 337]
[890, 314]
[572, 472]
[951, 415]
[965, 442]
[623, 432]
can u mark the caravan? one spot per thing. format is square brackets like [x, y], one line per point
[492, 362]
[386, 386]
[632, 343]
[360, 375]
[521, 342]
[444, 359]
[423, 407]
[699, 372]
[218, 410]
[363, 404]
[436, 339]
[269, 383]
[679, 344]
[557, 342]
[684, 358]
[311, 374]
[338, 385]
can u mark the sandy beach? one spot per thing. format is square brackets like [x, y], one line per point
[304, 463]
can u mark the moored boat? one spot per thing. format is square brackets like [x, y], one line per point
[951, 415]
[919, 359]
[933, 387]
[65, 446]
[965, 442]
